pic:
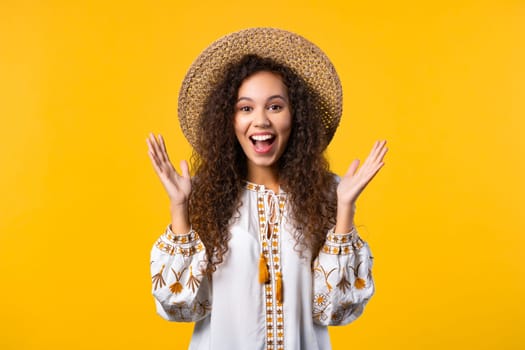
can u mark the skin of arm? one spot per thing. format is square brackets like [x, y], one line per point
[180, 222]
[345, 218]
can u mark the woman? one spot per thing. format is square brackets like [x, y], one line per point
[261, 251]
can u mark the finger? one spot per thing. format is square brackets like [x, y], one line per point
[151, 143]
[381, 155]
[380, 151]
[377, 149]
[148, 142]
[185, 170]
[155, 162]
[156, 147]
[352, 168]
[163, 147]
[372, 173]
[378, 167]
[161, 154]
[151, 147]
[375, 153]
[372, 153]
[150, 139]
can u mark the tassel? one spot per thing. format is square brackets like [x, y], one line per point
[263, 270]
[279, 287]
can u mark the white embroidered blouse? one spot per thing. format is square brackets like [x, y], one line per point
[233, 310]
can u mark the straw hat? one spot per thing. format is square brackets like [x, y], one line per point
[289, 49]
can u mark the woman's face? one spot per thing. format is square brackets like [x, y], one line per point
[263, 119]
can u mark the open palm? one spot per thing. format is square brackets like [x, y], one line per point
[355, 181]
[178, 186]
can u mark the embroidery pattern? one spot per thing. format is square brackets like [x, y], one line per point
[158, 280]
[345, 310]
[271, 249]
[187, 312]
[185, 251]
[181, 239]
[193, 281]
[342, 244]
[186, 245]
[176, 287]
[321, 303]
[344, 284]
[326, 274]
[359, 283]
[201, 308]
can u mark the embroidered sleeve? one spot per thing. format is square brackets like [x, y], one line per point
[179, 283]
[343, 281]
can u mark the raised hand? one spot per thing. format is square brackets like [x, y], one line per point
[177, 186]
[354, 182]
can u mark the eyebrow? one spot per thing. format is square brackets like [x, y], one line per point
[268, 99]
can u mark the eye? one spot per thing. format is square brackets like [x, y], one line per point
[275, 107]
[245, 108]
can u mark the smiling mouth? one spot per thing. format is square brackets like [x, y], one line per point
[262, 143]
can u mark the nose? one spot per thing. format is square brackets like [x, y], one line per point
[261, 119]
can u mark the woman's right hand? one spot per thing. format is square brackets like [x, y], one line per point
[177, 186]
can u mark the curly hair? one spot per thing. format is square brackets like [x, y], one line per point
[221, 165]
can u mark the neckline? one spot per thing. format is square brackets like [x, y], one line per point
[260, 188]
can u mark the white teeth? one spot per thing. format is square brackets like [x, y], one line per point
[261, 137]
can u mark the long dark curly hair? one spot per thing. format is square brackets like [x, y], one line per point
[221, 165]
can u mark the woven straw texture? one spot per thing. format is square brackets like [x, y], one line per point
[287, 48]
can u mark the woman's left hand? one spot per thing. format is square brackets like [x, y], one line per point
[355, 181]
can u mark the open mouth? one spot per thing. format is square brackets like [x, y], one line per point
[262, 143]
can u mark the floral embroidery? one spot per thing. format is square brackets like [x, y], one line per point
[344, 284]
[321, 269]
[176, 287]
[345, 310]
[359, 283]
[193, 281]
[321, 303]
[187, 312]
[332, 307]
[158, 280]
[320, 299]
[201, 308]
[178, 308]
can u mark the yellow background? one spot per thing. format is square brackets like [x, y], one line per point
[82, 83]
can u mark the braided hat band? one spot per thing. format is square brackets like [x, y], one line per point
[286, 48]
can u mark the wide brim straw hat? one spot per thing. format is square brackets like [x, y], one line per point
[287, 48]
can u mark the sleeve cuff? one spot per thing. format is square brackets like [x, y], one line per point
[342, 243]
[185, 238]
[187, 244]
